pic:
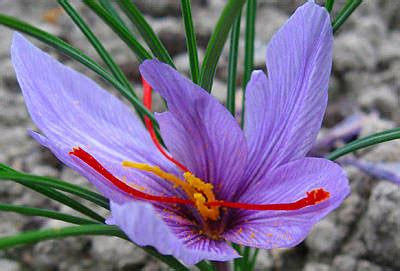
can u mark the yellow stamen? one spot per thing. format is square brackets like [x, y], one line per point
[195, 188]
[205, 189]
[206, 212]
[162, 174]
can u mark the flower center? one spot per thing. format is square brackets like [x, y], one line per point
[197, 190]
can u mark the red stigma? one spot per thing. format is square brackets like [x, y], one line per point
[94, 164]
[147, 101]
[313, 197]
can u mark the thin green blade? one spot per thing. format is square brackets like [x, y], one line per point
[146, 31]
[217, 42]
[361, 143]
[24, 210]
[191, 42]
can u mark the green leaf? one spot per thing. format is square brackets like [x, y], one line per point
[146, 31]
[371, 140]
[205, 266]
[105, 56]
[329, 5]
[232, 65]
[48, 192]
[63, 199]
[119, 29]
[48, 234]
[4, 167]
[245, 259]
[217, 42]
[191, 42]
[82, 230]
[345, 13]
[49, 182]
[254, 259]
[75, 54]
[45, 213]
[248, 48]
[237, 262]
[251, 8]
[106, 4]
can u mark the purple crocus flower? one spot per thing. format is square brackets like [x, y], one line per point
[263, 168]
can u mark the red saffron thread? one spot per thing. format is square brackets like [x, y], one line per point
[147, 101]
[93, 163]
[313, 197]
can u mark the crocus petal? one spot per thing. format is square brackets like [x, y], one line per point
[198, 131]
[285, 110]
[145, 227]
[72, 110]
[277, 229]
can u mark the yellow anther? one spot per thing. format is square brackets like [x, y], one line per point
[195, 188]
[162, 174]
[206, 212]
[203, 189]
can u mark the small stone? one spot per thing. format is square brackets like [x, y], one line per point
[264, 261]
[390, 50]
[382, 225]
[109, 251]
[372, 29]
[373, 123]
[11, 224]
[350, 210]
[61, 254]
[324, 238]
[219, 90]
[159, 7]
[44, 171]
[353, 51]
[69, 175]
[344, 263]
[265, 30]
[171, 33]
[382, 98]
[363, 265]
[387, 152]
[316, 267]
[355, 81]
[182, 61]
[8, 265]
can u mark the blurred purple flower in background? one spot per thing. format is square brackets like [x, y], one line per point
[243, 187]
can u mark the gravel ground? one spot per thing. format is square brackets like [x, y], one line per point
[363, 234]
